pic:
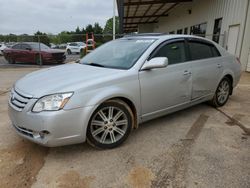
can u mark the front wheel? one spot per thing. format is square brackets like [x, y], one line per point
[222, 93]
[11, 60]
[110, 124]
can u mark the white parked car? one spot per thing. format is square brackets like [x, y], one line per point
[2, 47]
[75, 47]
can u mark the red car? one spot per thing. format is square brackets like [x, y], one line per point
[28, 52]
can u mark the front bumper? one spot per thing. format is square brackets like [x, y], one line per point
[56, 128]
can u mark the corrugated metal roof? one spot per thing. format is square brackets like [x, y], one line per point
[135, 12]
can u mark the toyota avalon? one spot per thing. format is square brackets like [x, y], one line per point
[120, 85]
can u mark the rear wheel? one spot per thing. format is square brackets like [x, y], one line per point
[110, 124]
[38, 59]
[222, 93]
[69, 52]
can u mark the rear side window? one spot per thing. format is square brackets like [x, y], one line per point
[199, 50]
[175, 52]
[25, 46]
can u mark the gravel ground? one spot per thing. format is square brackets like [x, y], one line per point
[197, 147]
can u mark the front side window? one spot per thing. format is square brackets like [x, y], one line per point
[199, 50]
[17, 46]
[175, 52]
[119, 54]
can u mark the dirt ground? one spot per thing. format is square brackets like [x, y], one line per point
[197, 147]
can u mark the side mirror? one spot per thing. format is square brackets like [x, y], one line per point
[28, 49]
[154, 63]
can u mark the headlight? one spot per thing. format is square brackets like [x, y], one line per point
[52, 102]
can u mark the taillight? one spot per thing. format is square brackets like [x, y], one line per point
[238, 60]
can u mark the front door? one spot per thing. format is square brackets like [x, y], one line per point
[232, 41]
[168, 87]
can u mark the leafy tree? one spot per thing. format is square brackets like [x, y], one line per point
[43, 38]
[97, 28]
[108, 29]
[78, 31]
[89, 28]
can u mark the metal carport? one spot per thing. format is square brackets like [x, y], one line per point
[135, 12]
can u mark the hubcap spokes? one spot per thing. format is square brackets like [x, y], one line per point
[109, 125]
[223, 92]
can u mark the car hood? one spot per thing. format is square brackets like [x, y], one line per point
[63, 78]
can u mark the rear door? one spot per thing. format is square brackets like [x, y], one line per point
[164, 88]
[206, 63]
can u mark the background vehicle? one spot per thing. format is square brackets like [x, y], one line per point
[29, 52]
[75, 47]
[2, 47]
[119, 85]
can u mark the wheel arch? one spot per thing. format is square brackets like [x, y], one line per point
[230, 77]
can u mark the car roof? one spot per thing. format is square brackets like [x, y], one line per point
[161, 36]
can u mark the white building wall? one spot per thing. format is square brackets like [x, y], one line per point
[233, 12]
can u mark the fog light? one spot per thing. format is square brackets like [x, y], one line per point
[40, 135]
[43, 133]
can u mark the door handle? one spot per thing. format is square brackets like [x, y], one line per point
[219, 65]
[187, 73]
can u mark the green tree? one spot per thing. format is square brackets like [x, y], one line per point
[89, 28]
[43, 38]
[108, 29]
[97, 28]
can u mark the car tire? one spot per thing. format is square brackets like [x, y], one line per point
[103, 130]
[11, 60]
[222, 93]
[69, 52]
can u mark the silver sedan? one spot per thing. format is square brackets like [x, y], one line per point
[120, 85]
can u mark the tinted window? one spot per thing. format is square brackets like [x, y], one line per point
[35, 46]
[73, 44]
[17, 46]
[175, 52]
[25, 46]
[215, 52]
[200, 50]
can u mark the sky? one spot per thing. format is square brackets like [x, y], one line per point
[51, 16]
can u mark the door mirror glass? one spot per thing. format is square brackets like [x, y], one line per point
[155, 63]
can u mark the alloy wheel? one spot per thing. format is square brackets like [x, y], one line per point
[109, 125]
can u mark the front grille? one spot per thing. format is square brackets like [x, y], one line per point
[58, 56]
[18, 100]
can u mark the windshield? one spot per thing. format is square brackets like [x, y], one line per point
[119, 54]
[35, 46]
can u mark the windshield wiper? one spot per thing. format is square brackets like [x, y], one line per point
[95, 64]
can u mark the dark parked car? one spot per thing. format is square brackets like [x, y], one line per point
[29, 52]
